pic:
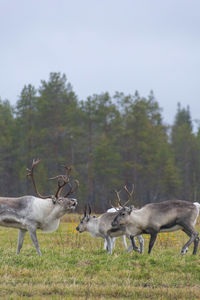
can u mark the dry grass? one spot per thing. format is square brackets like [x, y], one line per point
[75, 266]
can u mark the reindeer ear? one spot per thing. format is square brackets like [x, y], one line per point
[85, 210]
[130, 209]
[87, 218]
[89, 207]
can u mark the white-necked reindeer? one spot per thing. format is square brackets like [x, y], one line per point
[161, 217]
[29, 213]
[101, 227]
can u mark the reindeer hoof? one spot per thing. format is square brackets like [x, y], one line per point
[136, 249]
[184, 251]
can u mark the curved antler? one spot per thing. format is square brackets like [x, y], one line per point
[114, 206]
[130, 193]
[72, 190]
[31, 174]
[64, 178]
[118, 197]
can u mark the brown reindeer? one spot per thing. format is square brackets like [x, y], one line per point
[165, 216]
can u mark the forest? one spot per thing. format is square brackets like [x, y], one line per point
[110, 141]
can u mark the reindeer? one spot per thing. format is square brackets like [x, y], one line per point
[165, 216]
[101, 227]
[29, 213]
[118, 208]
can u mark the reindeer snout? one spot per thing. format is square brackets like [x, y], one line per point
[77, 228]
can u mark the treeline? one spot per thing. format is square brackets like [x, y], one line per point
[109, 141]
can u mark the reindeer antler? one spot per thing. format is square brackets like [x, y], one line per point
[118, 205]
[130, 193]
[118, 197]
[31, 174]
[72, 189]
[64, 178]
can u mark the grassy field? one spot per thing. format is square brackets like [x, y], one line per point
[75, 266]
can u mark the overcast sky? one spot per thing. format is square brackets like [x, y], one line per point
[104, 45]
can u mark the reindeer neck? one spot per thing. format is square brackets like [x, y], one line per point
[93, 225]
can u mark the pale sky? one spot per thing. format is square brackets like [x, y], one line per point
[104, 45]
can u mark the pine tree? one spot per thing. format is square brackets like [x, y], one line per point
[145, 149]
[185, 150]
[7, 162]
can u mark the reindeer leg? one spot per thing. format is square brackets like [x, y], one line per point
[196, 242]
[124, 240]
[130, 245]
[33, 236]
[21, 236]
[113, 242]
[193, 234]
[134, 244]
[141, 242]
[152, 240]
[109, 244]
[105, 244]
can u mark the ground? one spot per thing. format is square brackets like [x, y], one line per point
[75, 266]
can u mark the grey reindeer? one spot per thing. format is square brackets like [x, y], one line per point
[29, 213]
[101, 227]
[118, 208]
[165, 216]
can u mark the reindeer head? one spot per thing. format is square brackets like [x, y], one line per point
[65, 203]
[125, 211]
[85, 220]
[122, 217]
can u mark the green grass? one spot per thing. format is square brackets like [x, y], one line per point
[75, 266]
